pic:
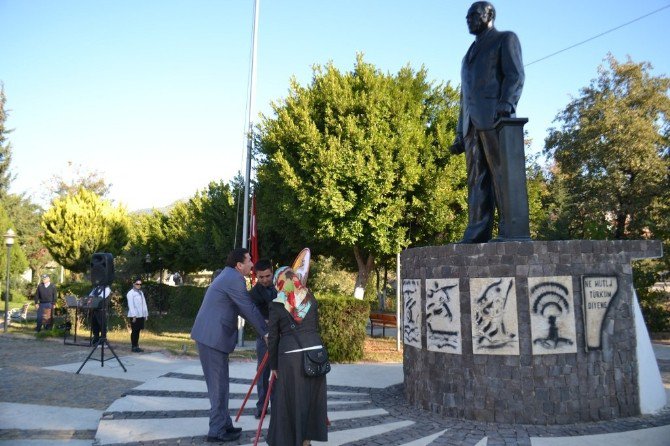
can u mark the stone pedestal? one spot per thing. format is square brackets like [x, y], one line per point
[513, 179]
[496, 332]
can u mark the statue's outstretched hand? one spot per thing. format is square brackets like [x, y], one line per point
[457, 147]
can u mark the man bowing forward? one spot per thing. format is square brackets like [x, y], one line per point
[215, 333]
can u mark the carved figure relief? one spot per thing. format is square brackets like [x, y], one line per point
[443, 316]
[411, 292]
[494, 319]
[552, 315]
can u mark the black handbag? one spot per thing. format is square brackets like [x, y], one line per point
[314, 362]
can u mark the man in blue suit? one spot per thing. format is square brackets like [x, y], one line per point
[492, 78]
[215, 333]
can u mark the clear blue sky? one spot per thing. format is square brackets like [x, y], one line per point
[152, 93]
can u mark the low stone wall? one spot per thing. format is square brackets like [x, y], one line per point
[522, 332]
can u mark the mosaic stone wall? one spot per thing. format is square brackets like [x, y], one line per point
[501, 333]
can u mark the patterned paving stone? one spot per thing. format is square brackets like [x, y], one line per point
[359, 415]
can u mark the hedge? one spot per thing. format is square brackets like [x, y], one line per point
[342, 320]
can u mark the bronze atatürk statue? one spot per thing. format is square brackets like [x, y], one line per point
[491, 83]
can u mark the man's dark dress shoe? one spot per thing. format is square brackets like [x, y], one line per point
[259, 412]
[228, 436]
[233, 430]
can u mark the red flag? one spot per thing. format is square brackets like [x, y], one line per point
[254, 237]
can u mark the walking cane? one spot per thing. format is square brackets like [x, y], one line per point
[253, 383]
[265, 407]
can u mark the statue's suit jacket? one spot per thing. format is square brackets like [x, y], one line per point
[226, 298]
[492, 72]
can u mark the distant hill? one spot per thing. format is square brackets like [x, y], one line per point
[163, 210]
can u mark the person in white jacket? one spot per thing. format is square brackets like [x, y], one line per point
[137, 313]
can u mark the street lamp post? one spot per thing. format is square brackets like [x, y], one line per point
[160, 287]
[9, 242]
[147, 265]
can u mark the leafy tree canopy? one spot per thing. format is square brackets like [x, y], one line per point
[5, 148]
[74, 178]
[19, 263]
[611, 155]
[358, 160]
[79, 225]
[27, 216]
[191, 236]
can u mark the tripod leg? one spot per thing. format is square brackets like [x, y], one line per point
[114, 353]
[87, 358]
[76, 322]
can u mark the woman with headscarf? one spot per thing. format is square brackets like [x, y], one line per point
[299, 404]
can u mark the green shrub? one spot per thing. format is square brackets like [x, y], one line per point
[78, 289]
[342, 320]
[653, 303]
[183, 301]
[654, 306]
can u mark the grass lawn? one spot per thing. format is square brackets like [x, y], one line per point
[172, 336]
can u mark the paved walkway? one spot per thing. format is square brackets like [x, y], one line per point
[162, 400]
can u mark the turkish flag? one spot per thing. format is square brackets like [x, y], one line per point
[254, 237]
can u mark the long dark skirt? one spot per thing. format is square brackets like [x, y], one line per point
[299, 405]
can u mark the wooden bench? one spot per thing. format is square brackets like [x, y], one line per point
[383, 319]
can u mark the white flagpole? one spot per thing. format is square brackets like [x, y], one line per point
[250, 133]
[250, 142]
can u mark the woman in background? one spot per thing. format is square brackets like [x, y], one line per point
[137, 313]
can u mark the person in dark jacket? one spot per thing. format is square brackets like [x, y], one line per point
[262, 294]
[99, 313]
[299, 403]
[45, 298]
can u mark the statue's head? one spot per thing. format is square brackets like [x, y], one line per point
[480, 17]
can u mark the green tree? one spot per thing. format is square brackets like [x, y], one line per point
[78, 225]
[193, 235]
[5, 148]
[214, 213]
[146, 238]
[18, 263]
[611, 154]
[27, 216]
[357, 161]
[538, 197]
[76, 177]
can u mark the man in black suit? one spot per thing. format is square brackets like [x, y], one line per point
[491, 82]
[262, 294]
